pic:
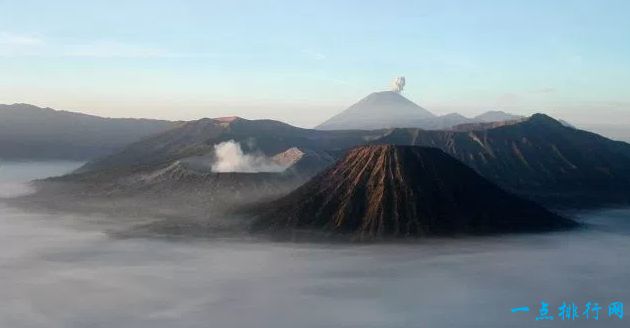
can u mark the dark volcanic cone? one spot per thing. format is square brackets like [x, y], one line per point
[396, 191]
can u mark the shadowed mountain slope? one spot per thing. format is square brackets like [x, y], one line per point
[28, 132]
[198, 138]
[398, 191]
[539, 158]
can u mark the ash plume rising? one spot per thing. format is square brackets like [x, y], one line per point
[398, 84]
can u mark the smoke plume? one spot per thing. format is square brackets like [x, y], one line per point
[398, 84]
[230, 158]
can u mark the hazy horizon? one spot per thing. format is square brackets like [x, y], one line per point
[302, 63]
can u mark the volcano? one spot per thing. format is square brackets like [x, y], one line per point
[378, 110]
[382, 191]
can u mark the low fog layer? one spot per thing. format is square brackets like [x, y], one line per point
[14, 176]
[59, 271]
[230, 158]
[159, 283]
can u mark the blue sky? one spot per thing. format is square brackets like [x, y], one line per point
[302, 61]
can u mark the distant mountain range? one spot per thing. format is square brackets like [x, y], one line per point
[198, 138]
[389, 109]
[496, 116]
[475, 178]
[402, 191]
[538, 157]
[28, 132]
[439, 175]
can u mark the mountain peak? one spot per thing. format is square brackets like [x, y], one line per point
[540, 118]
[454, 115]
[378, 110]
[228, 119]
[496, 116]
[391, 98]
[25, 107]
[383, 94]
[386, 190]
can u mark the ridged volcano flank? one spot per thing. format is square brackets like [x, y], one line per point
[385, 190]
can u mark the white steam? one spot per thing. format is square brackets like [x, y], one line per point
[398, 84]
[230, 158]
